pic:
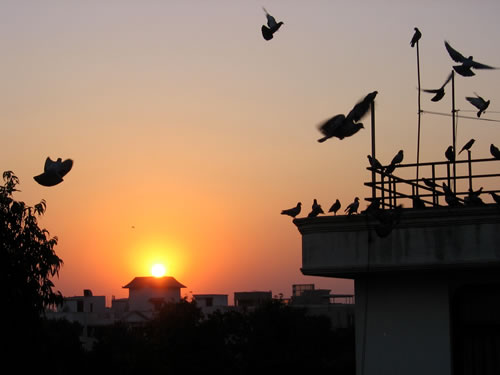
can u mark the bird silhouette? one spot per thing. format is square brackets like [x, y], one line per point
[467, 146]
[353, 207]
[335, 207]
[479, 103]
[472, 199]
[316, 209]
[429, 183]
[495, 152]
[374, 163]
[495, 197]
[398, 158]
[373, 207]
[417, 203]
[467, 63]
[362, 107]
[416, 37]
[338, 126]
[450, 197]
[450, 155]
[272, 26]
[388, 220]
[439, 93]
[292, 211]
[54, 171]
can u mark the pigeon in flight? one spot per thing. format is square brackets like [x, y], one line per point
[338, 126]
[439, 93]
[362, 107]
[335, 207]
[467, 146]
[353, 207]
[272, 26]
[54, 171]
[416, 37]
[479, 103]
[467, 62]
[292, 211]
[495, 197]
[316, 209]
[374, 163]
[495, 152]
[450, 155]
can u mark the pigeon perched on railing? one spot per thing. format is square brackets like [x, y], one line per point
[467, 146]
[353, 207]
[467, 63]
[416, 37]
[54, 171]
[398, 158]
[450, 197]
[495, 197]
[272, 26]
[450, 155]
[439, 93]
[374, 163]
[495, 152]
[292, 211]
[472, 199]
[479, 103]
[335, 207]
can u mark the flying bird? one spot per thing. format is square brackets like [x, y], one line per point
[54, 171]
[329, 127]
[353, 207]
[272, 26]
[467, 146]
[450, 155]
[374, 163]
[495, 152]
[479, 103]
[292, 211]
[316, 209]
[335, 207]
[362, 107]
[416, 37]
[467, 63]
[439, 93]
[348, 128]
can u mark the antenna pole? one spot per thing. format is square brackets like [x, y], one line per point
[453, 112]
[419, 115]
[374, 191]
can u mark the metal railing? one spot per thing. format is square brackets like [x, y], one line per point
[393, 190]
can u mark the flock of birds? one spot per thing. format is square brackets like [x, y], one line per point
[342, 126]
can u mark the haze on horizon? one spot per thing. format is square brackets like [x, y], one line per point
[190, 133]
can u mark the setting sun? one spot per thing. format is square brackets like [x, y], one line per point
[158, 270]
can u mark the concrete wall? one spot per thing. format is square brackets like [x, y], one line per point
[407, 326]
[139, 299]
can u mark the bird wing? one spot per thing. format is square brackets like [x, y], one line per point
[266, 33]
[48, 179]
[330, 125]
[476, 102]
[454, 54]
[49, 164]
[65, 167]
[478, 65]
[447, 80]
[271, 21]
[435, 91]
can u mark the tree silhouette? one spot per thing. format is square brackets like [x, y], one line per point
[27, 263]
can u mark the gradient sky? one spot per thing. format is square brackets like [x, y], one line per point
[184, 123]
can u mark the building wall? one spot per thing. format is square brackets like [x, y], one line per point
[139, 299]
[407, 326]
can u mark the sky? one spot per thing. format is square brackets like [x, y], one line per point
[190, 133]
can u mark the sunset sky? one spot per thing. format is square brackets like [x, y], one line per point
[190, 133]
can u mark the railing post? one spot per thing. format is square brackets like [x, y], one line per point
[470, 170]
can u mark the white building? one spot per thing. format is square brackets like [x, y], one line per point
[210, 303]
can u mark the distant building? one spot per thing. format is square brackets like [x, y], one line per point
[250, 300]
[147, 294]
[210, 303]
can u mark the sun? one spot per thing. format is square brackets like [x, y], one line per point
[158, 270]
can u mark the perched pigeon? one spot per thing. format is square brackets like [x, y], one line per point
[335, 207]
[439, 93]
[450, 197]
[374, 163]
[495, 197]
[416, 37]
[390, 168]
[398, 158]
[272, 26]
[450, 155]
[467, 62]
[495, 152]
[430, 183]
[388, 220]
[329, 127]
[472, 199]
[293, 211]
[54, 171]
[417, 202]
[373, 207]
[316, 210]
[479, 103]
[467, 146]
[353, 207]
[362, 107]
